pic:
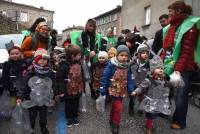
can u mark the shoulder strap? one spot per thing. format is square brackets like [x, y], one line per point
[33, 43]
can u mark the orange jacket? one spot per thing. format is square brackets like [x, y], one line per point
[26, 47]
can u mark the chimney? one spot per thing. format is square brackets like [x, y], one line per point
[42, 8]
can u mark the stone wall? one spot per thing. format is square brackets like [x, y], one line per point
[7, 26]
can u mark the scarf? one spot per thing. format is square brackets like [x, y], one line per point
[169, 38]
[41, 70]
[88, 40]
[41, 37]
[115, 62]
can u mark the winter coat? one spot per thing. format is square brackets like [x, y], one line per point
[139, 72]
[157, 43]
[186, 57]
[157, 95]
[70, 79]
[12, 70]
[108, 74]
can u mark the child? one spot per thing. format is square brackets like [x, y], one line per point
[139, 68]
[36, 89]
[112, 52]
[97, 71]
[70, 74]
[12, 69]
[157, 92]
[117, 80]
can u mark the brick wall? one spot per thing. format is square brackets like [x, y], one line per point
[7, 26]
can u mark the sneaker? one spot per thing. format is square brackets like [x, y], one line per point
[69, 123]
[44, 130]
[76, 122]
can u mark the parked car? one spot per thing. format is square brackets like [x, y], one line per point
[5, 39]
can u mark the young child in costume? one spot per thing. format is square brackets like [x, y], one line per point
[156, 89]
[70, 74]
[97, 72]
[36, 89]
[139, 68]
[117, 81]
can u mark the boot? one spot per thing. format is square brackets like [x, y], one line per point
[115, 128]
[44, 130]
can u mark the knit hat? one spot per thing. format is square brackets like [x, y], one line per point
[122, 48]
[142, 47]
[103, 54]
[40, 53]
[155, 62]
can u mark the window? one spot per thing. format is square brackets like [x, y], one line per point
[114, 17]
[23, 16]
[147, 15]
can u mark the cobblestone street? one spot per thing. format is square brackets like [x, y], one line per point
[93, 122]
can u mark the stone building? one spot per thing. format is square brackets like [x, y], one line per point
[25, 14]
[110, 19]
[144, 14]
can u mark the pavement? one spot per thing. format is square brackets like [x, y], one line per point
[94, 122]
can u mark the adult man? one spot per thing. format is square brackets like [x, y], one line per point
[157, 44]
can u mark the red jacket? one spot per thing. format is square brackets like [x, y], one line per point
[185, 61]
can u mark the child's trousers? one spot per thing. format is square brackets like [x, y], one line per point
[42, 110]
[72, 107]
[116, 111]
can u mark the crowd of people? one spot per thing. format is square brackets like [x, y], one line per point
[114, 68]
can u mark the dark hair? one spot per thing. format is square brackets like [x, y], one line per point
[72, 50]
[125, 31]
[163, 16]
[180, 6]
[14, 47]
[53, 32]
[34, 25]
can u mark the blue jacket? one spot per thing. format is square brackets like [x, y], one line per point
[108, 74]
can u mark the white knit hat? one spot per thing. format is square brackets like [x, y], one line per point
[103, 54]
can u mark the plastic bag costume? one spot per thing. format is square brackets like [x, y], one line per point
[41, 92]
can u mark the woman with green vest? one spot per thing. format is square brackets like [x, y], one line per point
[181, 47]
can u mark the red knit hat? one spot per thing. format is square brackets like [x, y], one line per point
[39, 54]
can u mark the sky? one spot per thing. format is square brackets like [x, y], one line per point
[73, 12]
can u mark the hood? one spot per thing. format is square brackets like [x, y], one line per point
[4, 55]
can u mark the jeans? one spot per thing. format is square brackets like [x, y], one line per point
[181, 100]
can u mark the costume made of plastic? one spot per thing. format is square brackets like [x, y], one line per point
[36, 89]
[157, 96]
[116, 80]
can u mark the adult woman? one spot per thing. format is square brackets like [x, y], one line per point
[181, 42]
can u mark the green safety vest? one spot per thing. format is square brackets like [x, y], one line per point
[187, 24]
[76, 40]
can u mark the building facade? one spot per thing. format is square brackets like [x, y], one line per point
[110, 19]
[25, 14]
[144, 14]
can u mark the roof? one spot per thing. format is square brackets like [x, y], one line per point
[74, 27]
[115, 10]
[19, 4]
